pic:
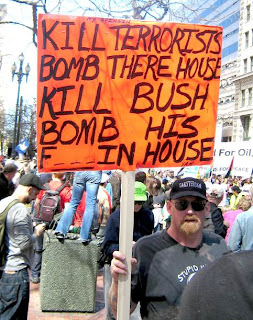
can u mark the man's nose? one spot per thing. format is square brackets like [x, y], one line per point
[189, 209]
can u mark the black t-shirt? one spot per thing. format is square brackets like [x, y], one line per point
[223, 290]
[164, 268]
[215, 222]
[6, 187]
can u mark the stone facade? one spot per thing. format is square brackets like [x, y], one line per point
[243, 112]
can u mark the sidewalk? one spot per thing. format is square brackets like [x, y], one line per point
[35, 312]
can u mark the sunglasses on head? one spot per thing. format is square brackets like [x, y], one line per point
[140, 203]
[196, 205]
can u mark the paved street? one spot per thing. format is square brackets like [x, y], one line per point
[36, 314]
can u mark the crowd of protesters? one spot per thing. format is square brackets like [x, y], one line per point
[90, 203]
[231, 198]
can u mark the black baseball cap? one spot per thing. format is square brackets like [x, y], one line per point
[188, 187]
[31, 180]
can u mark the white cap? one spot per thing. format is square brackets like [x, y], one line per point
[105, 178]
[215, 191]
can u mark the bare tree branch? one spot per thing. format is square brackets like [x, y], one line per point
[35, 24]
[17, 23]
[134, 9]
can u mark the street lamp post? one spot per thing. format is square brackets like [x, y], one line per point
[20, 75]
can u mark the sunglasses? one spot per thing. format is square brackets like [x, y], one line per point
[182, 205]
[140, 203]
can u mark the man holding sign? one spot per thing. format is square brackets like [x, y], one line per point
[166, 261]
[122, 94]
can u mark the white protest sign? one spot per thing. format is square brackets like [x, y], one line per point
[191, 171]
[243, 158]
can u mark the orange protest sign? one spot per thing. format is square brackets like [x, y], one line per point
[125, 94]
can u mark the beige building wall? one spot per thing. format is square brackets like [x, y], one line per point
[243, 113]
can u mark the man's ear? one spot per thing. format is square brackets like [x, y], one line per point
[29, 189]
[168, 204]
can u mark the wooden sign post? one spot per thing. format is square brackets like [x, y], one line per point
[125, 241]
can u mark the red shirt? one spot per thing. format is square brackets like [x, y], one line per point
[78, 217]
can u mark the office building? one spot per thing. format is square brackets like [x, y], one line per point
[235, 112]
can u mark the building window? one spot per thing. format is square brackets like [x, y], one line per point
[251, 63]
[246, 39]
[245, 125]
[248, 13]
[250, 96]
[227, 132]
[243, 98]
[245, 65]
[226, 139]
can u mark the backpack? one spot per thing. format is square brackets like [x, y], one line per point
[50, 204]
[3, 215]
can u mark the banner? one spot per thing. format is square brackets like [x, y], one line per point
[125, 94]
[23, 146]
[241, 151]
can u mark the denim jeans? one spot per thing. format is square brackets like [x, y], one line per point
[83, 181]
[36, 267]
[14, 295]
